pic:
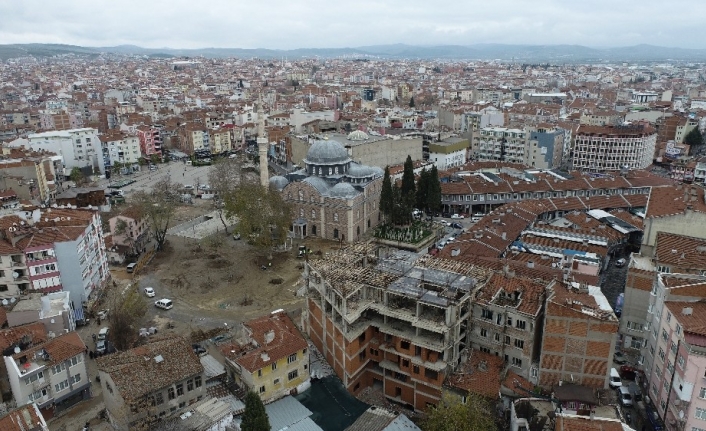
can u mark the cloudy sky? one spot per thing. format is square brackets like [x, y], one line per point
[286, 24]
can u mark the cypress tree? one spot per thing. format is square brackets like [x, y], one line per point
[408, 177]
[422, 190]
[255, 417]
[386, 199]
[434, 193]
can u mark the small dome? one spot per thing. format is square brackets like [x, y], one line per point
[327, 152]
[343, 190]
[278, 182]
[357, 135]
[360, 171]
[318, 183]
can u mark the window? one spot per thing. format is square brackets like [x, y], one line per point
[534, 372]
[404, 345]
[499, 319]
[197, 381]
[335, 217]
[292, 358]
[702, 393]
[431, 374]
[669, 317]
[262, 389]
[520, 344]
[700, 414]
[170, 393]
[293, 375]
[678, 329]
[75, 379]
[61, 386]
[483, 332]
[415, 369]
[507, 340]
[497, 337]
[190, 385]
[486, 314]
[182, 404]
[636, 342]
[159, 398]
[516, 362]
[274, 366]
[673, 348]
[259, 373]
[661, 353]
[664, 335]
[520, 324]
[75, 360]
[361, 355]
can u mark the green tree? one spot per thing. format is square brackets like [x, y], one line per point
[255, 417]
[408, 177]
[434, 190]
[154, 158]
[411, 102]
[386, 199]
[78, 177]
[694, 138]
[451, 415]
[422, 189]
[263, 216]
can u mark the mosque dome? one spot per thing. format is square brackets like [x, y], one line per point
[360, 171]
[357, 135]
[278, 182]
[327, 152]
[343, 190]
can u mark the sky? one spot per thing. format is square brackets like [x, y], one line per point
[289, 24]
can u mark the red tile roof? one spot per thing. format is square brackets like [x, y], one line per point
[480, 375]
[680, 251]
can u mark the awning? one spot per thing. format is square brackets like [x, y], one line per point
[78, 314]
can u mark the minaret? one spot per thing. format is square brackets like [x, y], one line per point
[262, 145]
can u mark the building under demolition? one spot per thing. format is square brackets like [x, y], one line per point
[396, 321]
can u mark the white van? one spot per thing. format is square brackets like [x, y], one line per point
[131, 268]
[164, 303]
[625, 396]
[103, 333]
[615, 380]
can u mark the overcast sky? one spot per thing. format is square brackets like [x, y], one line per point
[286, 24]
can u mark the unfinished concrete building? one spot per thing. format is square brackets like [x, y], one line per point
[398, 322]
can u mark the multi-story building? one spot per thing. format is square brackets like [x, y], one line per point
[25, 418]
[220, 140]
[400, 321]
[507, 320]
[32, 178]
[612, 148]
[119, 147]
[151, 382]
[272, 360]
[134, 232]
[49, 374]
[53, 310]
[14, 273]
[78, 147]
[449, 153]
[194, 137]
[679, 391]
[578, 338]
[500, 144]
[150, 141]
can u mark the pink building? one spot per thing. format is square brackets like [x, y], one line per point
[678, 382]
[150, 141]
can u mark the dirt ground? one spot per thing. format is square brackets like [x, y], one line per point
[219, 279]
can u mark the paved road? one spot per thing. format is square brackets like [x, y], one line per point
[613, 278]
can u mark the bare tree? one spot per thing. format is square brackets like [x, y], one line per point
[224, 178]
[126, 309]
[159, 205]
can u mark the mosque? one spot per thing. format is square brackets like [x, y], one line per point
[332, 197]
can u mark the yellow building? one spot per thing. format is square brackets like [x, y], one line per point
[220, 140]
[272, 360]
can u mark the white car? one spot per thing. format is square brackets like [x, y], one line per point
[164, 304]
[459, 216]
[149, 292]
[450, 239]
[188, 187]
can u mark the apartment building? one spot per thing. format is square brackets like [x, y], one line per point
[32, 178]
[152, 382]
[53, 310]
[14, 273]
[578, 338]
[51, 374]
[612, 148]
[150, 141]
[540, 147]
[79, 148]
[636, 300]
[194, 137]
[506, 321]
[449, 153]
[397, 320]
[220, 140]
[134, 232]
[25, 418]
[272, 360]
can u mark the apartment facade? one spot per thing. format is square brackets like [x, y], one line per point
[49, 374]
[14, 273]
[220, 140]
[449, 153]
[611, 148]
[136, 230]
[506, 321]
[395, 321]
[150, 141]
[153, 382]
[121, 148]
[274, 360]
[79, 148]
[578, 338]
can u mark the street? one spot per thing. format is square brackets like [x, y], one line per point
[178, 172]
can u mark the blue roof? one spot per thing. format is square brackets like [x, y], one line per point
[573, 252]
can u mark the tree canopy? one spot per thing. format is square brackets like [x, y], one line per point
[78, 177]
[159, 207]
[694, 138]
[255, 417]
[126, 310]
[386, 200]
[453, 415]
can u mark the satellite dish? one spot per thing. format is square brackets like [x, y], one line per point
[4, 302]
[17, 349]
[681, 414]
[15, 274]
[12, 300]
[51, 321]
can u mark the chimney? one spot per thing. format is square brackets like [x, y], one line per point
[269, 336]
[687, 311]
[504, 236]
[530, 264]
[265, 357]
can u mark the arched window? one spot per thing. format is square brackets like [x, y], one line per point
[358, 230]
[313, 214]
[335, 233]
[335, 216]
[301, 212]
[313, 230]
[330, 171]
[301, 195]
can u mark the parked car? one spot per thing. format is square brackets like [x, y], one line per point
[457, 216]
[456, 225]
[103, 333]
[620, 262]
[198, 349]
[149, 292]
[100, 347]
[619, 358]
[188, 187]
[164, 304]
[103, 314]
